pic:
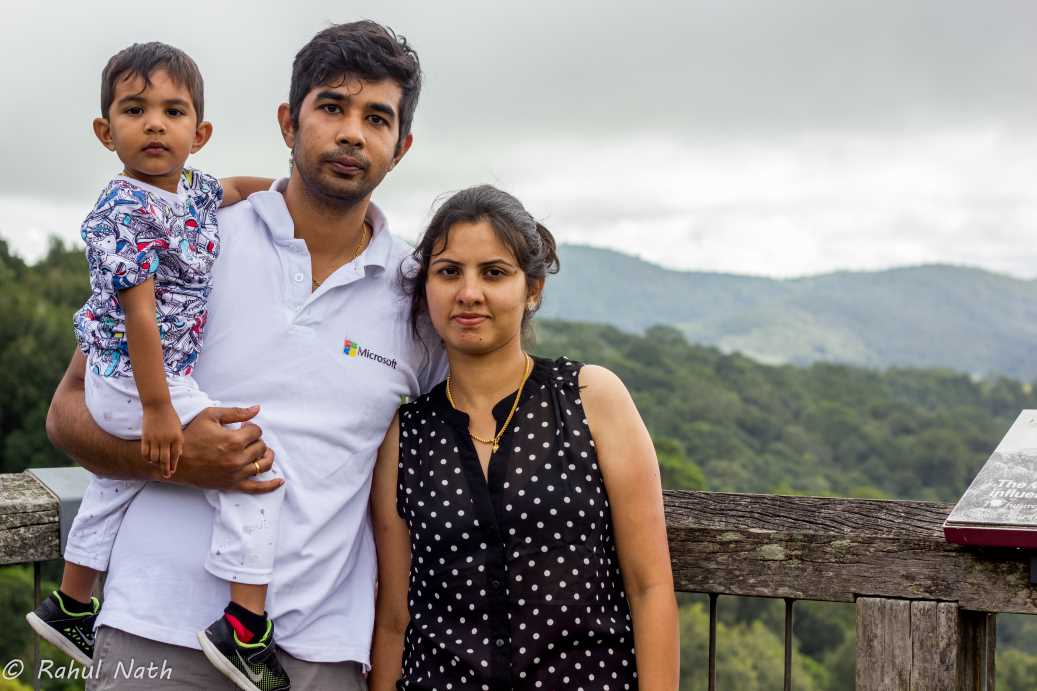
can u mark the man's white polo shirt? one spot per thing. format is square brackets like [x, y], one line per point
[329, 369]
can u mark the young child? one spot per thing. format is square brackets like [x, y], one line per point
[151, 242]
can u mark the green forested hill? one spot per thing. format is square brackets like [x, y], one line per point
[720, 421]
[928, 316]
[822, 429]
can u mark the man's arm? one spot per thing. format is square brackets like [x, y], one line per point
[214, 457]
[72, 429]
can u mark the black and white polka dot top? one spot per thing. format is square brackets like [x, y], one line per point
[514, 580]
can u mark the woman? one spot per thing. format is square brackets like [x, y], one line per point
[517, 506]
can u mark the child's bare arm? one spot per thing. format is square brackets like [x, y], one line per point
[162, 438]
[238, 188]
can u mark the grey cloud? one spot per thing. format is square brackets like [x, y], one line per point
[522, 81]
[731, 67]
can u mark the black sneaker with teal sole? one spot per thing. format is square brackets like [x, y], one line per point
[72, 634]
[252, 666]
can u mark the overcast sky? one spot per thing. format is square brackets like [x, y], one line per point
[773, 137]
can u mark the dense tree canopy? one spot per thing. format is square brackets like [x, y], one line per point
[824, 429]
[720, 422]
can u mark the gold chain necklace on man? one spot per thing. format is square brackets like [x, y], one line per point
[495, 441]
[356, 253]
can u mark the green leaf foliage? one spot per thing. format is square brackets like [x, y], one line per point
[719, 421]
[16, 638]
[36, 342]
[824, 429]
[750, 656]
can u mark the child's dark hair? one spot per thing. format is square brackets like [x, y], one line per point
[531, 243]
[364, 50]
[143, 60]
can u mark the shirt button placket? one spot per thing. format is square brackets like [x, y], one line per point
[502, 627]
[299, 291]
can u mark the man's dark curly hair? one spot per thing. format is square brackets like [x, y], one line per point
[364, 50]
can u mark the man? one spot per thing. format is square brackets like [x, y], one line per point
[307, 319]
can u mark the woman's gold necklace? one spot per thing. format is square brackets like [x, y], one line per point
[495, 441]
[356, 253]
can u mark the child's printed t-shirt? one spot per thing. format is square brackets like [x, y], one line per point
[136, 232]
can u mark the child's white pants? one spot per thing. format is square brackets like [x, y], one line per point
[245, 527]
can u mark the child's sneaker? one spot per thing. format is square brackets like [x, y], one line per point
[70, 632]
[252, 666]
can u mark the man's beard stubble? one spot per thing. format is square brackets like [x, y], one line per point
[330, 195]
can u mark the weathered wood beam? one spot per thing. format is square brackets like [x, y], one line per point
[807, 548]
[813, 548]
[976, 670]
[28, 520]
[919, 645]
[884, 645]
[936, 645]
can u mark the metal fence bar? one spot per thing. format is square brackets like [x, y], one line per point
[37, 587]
[789, 602]
[713, 641]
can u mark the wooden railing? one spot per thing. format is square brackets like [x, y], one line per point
[926, 610]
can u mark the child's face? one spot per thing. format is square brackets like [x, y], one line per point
[153, 129]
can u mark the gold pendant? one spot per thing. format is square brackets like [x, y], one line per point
[496, 447]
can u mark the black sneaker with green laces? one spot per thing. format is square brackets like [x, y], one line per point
[252, 666]
[70, 632]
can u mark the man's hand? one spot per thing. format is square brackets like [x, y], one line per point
[214, 457]
[161, 439]
[223, 458]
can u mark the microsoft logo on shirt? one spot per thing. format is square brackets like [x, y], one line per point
[351, 349]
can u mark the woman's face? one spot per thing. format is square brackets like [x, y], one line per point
[476, 291]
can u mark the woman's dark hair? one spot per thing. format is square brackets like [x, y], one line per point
[143, 60]
[531, 243]
[364, 50]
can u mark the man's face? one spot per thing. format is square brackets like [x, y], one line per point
[345, 139]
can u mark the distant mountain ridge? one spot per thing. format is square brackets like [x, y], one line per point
[960, 318]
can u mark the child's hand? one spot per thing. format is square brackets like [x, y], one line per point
[239, 188]
[162, 438]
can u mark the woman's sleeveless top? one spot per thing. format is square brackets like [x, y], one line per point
[514, 580]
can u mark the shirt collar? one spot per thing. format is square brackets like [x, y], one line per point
[380, 247]
[168, 197]
[541, 373]
[270, 207]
